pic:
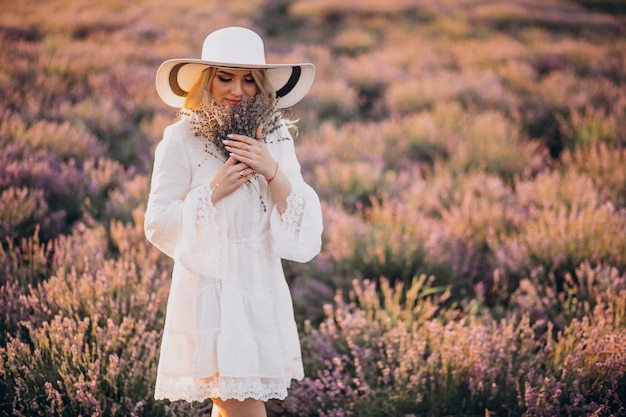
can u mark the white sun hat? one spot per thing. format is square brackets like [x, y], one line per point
[233, 47]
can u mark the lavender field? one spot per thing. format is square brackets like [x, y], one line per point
[471, 160]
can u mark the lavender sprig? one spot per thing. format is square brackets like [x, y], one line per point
[216, 121]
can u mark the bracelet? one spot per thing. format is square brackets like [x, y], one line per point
[273, 176]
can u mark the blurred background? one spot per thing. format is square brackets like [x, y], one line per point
[471, 160]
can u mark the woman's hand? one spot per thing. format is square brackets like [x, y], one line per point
[252, 152]
[232, 175]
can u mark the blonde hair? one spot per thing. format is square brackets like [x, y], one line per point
[199, 94]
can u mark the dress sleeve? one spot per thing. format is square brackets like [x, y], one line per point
[204, 246]
[192, 231]
[171, 177]
[296, 233]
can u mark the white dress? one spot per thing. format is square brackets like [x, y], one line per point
[229, 329]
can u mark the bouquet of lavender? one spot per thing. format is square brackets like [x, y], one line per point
[216, 121]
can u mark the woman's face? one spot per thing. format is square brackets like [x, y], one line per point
[229, 85]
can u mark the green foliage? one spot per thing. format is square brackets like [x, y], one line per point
[75, 366]
[398, 350]
[85, 338]
[604, 164]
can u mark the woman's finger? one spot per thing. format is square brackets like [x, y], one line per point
[239, 146]
[238, 140]
[246, 172]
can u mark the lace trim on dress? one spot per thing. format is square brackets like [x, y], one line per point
[206, 218]
[292, 217]
[202, 250]
[208, 227]
[239, 388]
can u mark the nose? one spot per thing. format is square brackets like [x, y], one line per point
[236, 88]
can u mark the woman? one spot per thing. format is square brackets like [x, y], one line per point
[227, 209]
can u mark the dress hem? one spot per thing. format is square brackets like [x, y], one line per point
[199, 390]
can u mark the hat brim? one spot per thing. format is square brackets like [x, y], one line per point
[290, 82]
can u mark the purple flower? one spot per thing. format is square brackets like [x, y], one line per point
[216, 121]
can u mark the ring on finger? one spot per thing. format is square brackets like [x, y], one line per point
[248, 148]
[241, 173]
